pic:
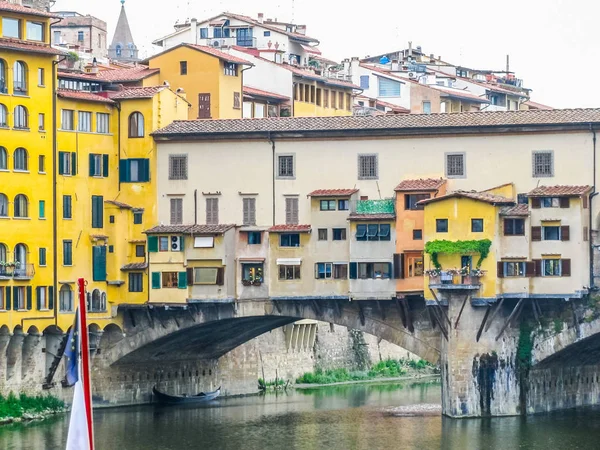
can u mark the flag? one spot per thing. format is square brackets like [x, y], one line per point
[72, 353]
[78, 437]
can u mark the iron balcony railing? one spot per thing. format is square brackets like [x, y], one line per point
[23, 271]
[445, 278]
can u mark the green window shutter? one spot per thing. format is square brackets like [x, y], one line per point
[182, 280]
[97, 211]
[29, 297]
[42, 207]
[92, 165]
[7, 304]
[50, 297]
[15, 297]
[99, 262]
[145, 168]
[73, 163]
[61, 163]
[38, 304]
[105, 166]
[182, 243]
[353, 270]
[152, 244]
[156, 280]
[391, 270]
[123, 170]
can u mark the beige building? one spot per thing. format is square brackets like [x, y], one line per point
[86, 34]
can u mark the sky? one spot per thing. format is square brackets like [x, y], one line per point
[546, 40]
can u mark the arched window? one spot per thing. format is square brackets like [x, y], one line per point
[3, 159]
[131, 50]
[3, 116]
[21, 117]
[136, 125]
[98, 303]
[3, 207]
[20, 77]
[20, 259]
[3, 78]
[20, 159]
[66, 298]
[118, 50]
[3, 254]
[21, 206]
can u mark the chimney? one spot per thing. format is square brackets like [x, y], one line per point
[395, 65]
[409, 48]
[261, 17]
[194, 30]
[94, 69]
[346, 65]
[354, 64]
[431, 57]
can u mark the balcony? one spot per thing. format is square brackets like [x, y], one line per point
[454, 279]
[221, 42]
[18, 272]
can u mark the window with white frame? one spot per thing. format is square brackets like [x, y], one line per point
[102, 123]
[67, 119]
[205, 275]
[289, 272]
[84, 121]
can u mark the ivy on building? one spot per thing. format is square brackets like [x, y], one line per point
[434, 248]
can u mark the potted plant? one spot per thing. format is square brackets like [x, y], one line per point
[246, 282]
[257, 279]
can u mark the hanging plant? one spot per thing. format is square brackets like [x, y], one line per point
[434, 248]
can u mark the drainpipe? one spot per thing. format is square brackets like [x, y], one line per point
[592, 195]
[273, 174]
[118, 106]
[195, 206]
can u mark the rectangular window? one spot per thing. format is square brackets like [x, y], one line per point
[99, 262]
[291, 211]
[67, 208]
[514, 269]
[140, 250]
[176, 211]
[212, 211]
[441, 225]
[136, 170]
[2, 300]
[41, 77]
[67, 120]
[426, 107]
[102, 123]
[136, 280]
[84, 121]
[551, 202]
[178, 167]
[343, 205]
[205, 275]
[237, 100]
[289, 272]
[477, 225]
[373, 232]
[368, 167]
[411, 200]
[80, 36]
[327, 205]
[67, 253]
[97, 211]
[319, 97]
[551, 267]
[417, 235]
[19, 297]
[339, 234]
[286, 166]
[42, 164]
[323, 271]
[170, 280]
[551, 233]
[322, 234]
[138, 217]
[326, 98]
[374, 270]
[163, 243]
[340, 271]
[42, 257]
[203, 33]
[266, 33]
[543, 164]
[388, 88]
[41, 121]
[455, 165]
[249, 211]
[40, 295]
[254, 237]
[11, 28]
[289, 240]
[361, 232]
[364, 81]
[42, 209]
[514, 227]
[96, 165]
[182, 67]
[252, 273]
[414, 265]
[230, 69]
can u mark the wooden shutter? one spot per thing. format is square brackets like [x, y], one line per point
[204, 106]
[220, 276]
[529, 269]
[182, 280]
[249, 211]
[500, 269]
[73, 163]
[564, 233]
[190, 275]
[99, 262]
[398, 265]
[124, 170]
[152, 244]
[565, 269]
[15, 298]
[564, 202]
[7, 299]
[29, 291]
[155, 280]
[537, 267]
[584, 201]
[38, 300]
[353, 270]
[50, 297]
[536, 202]
[105, 166]
[61, 163]
[144, 170]
[536, 233]
[212, 211]
[92, 165]
[291, 211]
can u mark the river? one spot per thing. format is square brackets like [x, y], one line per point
[332, 418]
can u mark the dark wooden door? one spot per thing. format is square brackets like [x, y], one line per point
[204, 106]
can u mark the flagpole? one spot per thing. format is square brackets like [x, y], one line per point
[85, 360]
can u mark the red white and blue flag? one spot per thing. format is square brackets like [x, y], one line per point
[81, 432]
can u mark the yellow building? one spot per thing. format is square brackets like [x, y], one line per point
[211, 79]
[27, 290]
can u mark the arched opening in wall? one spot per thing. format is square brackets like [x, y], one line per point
[53, 337]
[31, 349]
[95, 335]
[14, 352]
[112, 335]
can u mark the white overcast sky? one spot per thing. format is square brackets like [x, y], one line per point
[552, 43]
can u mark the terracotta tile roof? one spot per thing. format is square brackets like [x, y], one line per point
[536, 105]
[219, 54]
[388, 124]
[559, 191]
[290, 229]
[309, 74]
[13, 7]
[85, 96]
[135, 266]
[460, 94]
[518, 210]
[479, 196]
[333, 192]
[129, 74]
[137, 92]
[381, 216]
[118, 204]
[190, 229]
[250, 91]
[422, 184]
[267, 26]
[28, 47]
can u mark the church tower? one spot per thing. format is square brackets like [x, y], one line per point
[122, 47]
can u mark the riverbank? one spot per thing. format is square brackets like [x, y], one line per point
[24, 408]
[412, 378]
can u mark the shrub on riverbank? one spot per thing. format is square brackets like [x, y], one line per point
[12, 406]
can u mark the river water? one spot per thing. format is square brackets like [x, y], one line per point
[339, 417]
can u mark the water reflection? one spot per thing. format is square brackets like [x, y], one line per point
[340, 417]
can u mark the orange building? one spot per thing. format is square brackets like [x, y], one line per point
[409, 230]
